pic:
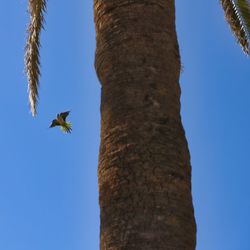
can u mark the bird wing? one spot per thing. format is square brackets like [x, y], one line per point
[64, 115]
[54, 123]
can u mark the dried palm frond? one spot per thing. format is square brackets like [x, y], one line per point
[32, 62]
[237, 14]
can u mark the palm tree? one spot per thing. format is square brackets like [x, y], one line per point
[237, 14]
[32, 62]
[144, 164]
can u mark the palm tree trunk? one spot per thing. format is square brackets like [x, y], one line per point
[144, 164]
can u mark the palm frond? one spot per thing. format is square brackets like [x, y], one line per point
[237, 14]
[32, 61]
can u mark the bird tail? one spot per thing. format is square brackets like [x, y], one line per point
[67, 127]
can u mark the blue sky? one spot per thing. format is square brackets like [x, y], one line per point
[48, 180]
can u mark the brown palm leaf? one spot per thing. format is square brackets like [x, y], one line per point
[237, 14]
[32, 62]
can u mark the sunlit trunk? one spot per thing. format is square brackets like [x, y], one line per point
[144, 163]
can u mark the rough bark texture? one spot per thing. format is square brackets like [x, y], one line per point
[144, 163]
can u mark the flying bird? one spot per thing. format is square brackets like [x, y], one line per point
[61, 121]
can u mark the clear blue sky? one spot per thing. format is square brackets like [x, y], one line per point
[48, 180]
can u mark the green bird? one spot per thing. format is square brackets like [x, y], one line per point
[61, 121]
